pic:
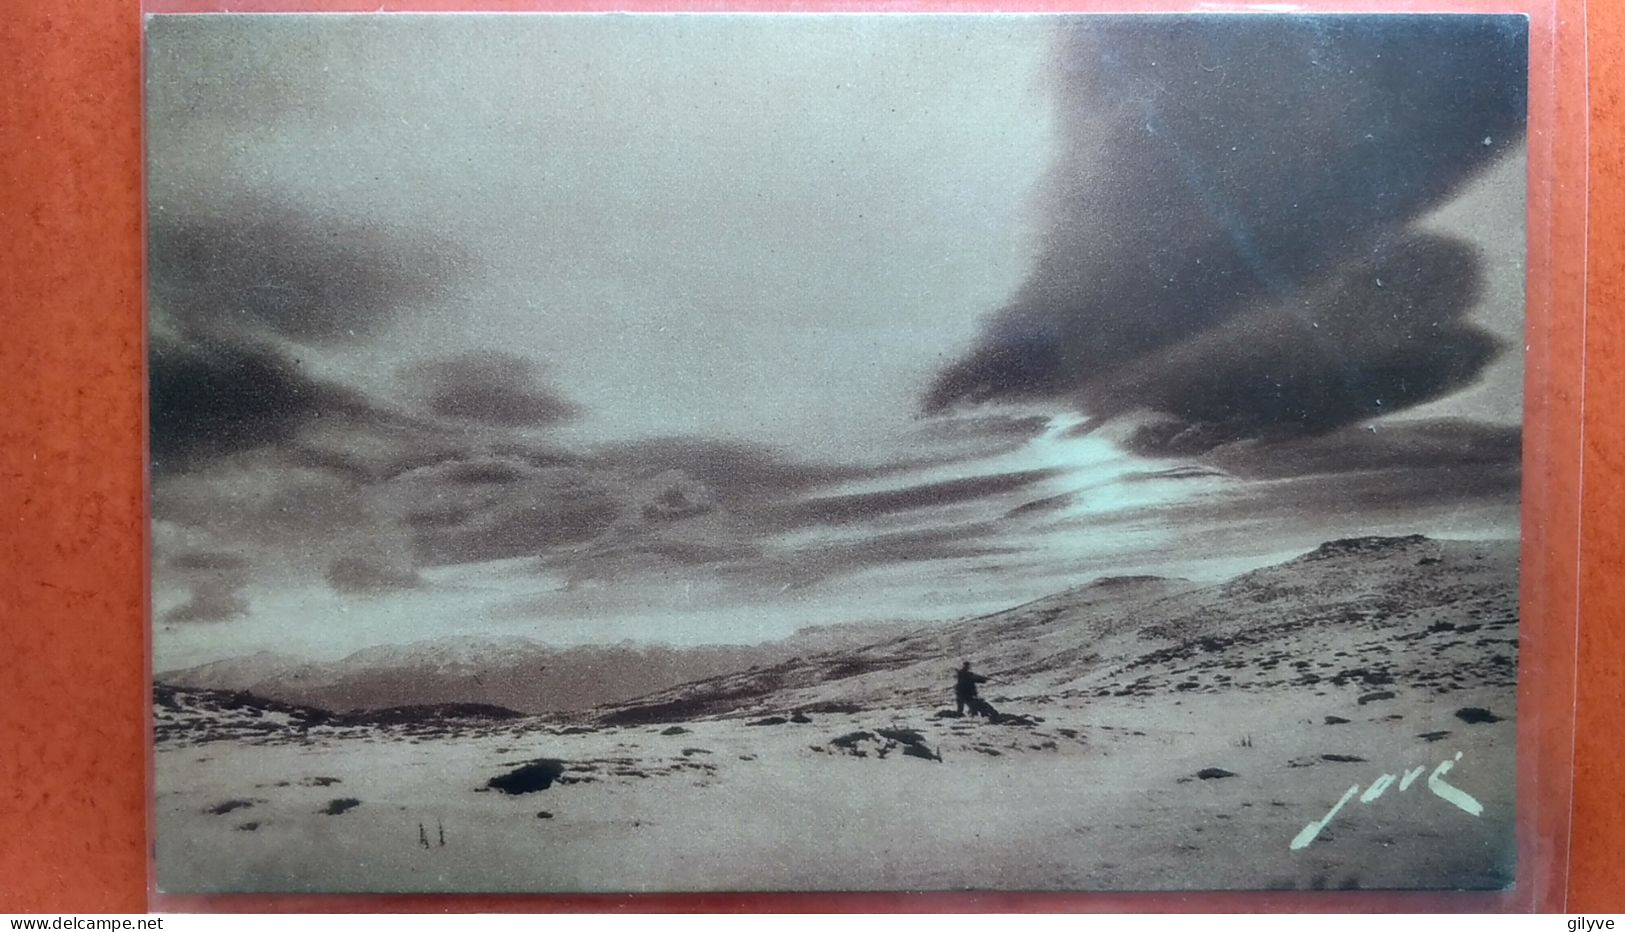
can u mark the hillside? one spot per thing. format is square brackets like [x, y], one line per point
[190, 716]
[1435, 614]
[1151, 729]
[512, 672]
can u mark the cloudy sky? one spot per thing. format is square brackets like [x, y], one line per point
[706, 328]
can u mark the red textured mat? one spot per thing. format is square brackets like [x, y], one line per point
[73, 685]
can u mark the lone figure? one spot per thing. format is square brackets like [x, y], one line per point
[965, 692]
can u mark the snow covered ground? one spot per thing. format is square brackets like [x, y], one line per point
[1099, 796]
[1186, 751]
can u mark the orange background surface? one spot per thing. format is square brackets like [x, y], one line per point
[73, 685]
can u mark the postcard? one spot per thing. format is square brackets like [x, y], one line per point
[653, 453]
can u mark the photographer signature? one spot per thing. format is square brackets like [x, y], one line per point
[1435, 783]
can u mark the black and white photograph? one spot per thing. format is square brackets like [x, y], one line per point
[835, 452]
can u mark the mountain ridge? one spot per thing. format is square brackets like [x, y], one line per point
[1116, 640]
[1085, 639]
[509, 671]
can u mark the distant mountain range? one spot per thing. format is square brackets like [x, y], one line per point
[1370, 611]
[516, 673]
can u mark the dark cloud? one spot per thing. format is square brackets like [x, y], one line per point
[648, 507]
[608, 508]
[812, 565]
[677, 496]
[363, 443]
[208, 560]
[734, 471]
[536, 456]
[497, 459]
[231, 294]
[1044, 505]
[980, 426]
[342, 463]
[951, 543]
[487, 473]
[512, 500]
[432, 519]
[1173, 473]
[1382, 335]
[481, 506]
[692, 553]
[285, 520]
[1415, 497]
[1441, 444]
[963, 436]
[313, 507]
[673, 523]
[364, 576]
[518, 528]
[1229, 193]
[491, 387]
[1477, 495]
[216, 580]
[211, 600]
[260, 269]
[868, 506]
[620, 557]
[212, 398]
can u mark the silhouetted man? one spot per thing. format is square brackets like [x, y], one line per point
[965, 691]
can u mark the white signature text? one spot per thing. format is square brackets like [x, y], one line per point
[1435, 783]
